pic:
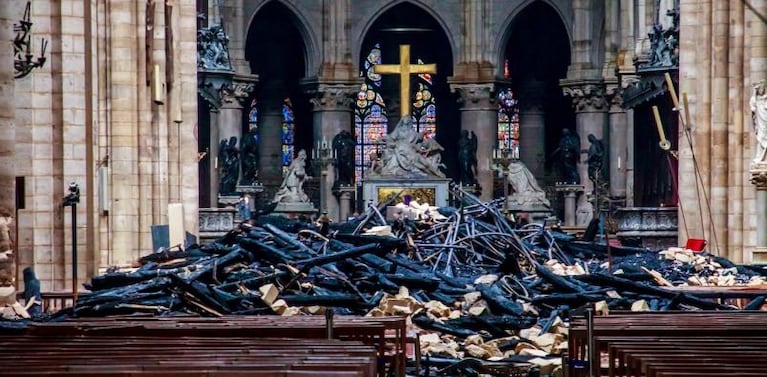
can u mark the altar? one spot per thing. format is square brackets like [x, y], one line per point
[429, 190]
[410, 163]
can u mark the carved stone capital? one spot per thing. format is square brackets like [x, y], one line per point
[587, 96]
[236, 93]
[475, 95]
[759, 175]
[332, 97]
[615, 99]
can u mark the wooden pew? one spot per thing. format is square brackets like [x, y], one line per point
[648, 339]
[29, 355]
[387, 334]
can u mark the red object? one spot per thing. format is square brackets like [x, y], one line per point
[696, 244]
[506, 73]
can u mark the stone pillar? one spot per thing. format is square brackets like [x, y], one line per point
[345, 195]
[7, 147]
[590, 106]
[270, 134]
[332, 113]
[759, 179]
[271, 95]
[630, 158]
[234, 25]
[479, 113]
[617, 145]
[571, 197]
[213, 156]
[229, 120]
[7, 111]
[532, 126]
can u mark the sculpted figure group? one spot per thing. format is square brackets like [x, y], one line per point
[408, 154]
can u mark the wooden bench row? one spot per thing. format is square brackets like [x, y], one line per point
[387, 334]
[669, 343]
[30, 355]
[704, 356]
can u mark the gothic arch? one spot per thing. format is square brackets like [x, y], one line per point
[368, 24]
[562, 8]
[308, 34]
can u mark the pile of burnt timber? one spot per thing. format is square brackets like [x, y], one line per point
[475, 287]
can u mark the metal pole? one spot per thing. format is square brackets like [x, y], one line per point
[329, 322]
[505, 192]
[15, 246]
[74, 250]
[590, 335]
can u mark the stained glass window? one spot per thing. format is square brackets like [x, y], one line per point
[253, 114]
[424, 108]
[508, 123]
[288, 134]
[370, 122]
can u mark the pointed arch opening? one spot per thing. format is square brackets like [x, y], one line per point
[276, 51]
[433, 107]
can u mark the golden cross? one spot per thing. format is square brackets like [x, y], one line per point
[404, 69]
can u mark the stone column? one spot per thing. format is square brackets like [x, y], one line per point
[7, 111]
[479, 113]
[532, 126]
[213, 156]
[571, 197]
[270, 134]
[234, 24]
[617, 145]
[332, 113]
[590, 106]
[7, 143]
[229, 120]
[759, 179]
[345, 196]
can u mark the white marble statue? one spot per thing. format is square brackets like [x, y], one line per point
[524, 184]
[408, 154]
[292, 190]
[758, 105]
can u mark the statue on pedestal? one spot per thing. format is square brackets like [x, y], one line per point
[406, 153]
[596, 156]
[343, 149]
[291, 190]
[467, 158]
[229, 161]
[525, 186]
[758, 104]
[567, 157]
[249, 151]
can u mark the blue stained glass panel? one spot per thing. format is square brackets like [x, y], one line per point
[253, 114]
[287, 134]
